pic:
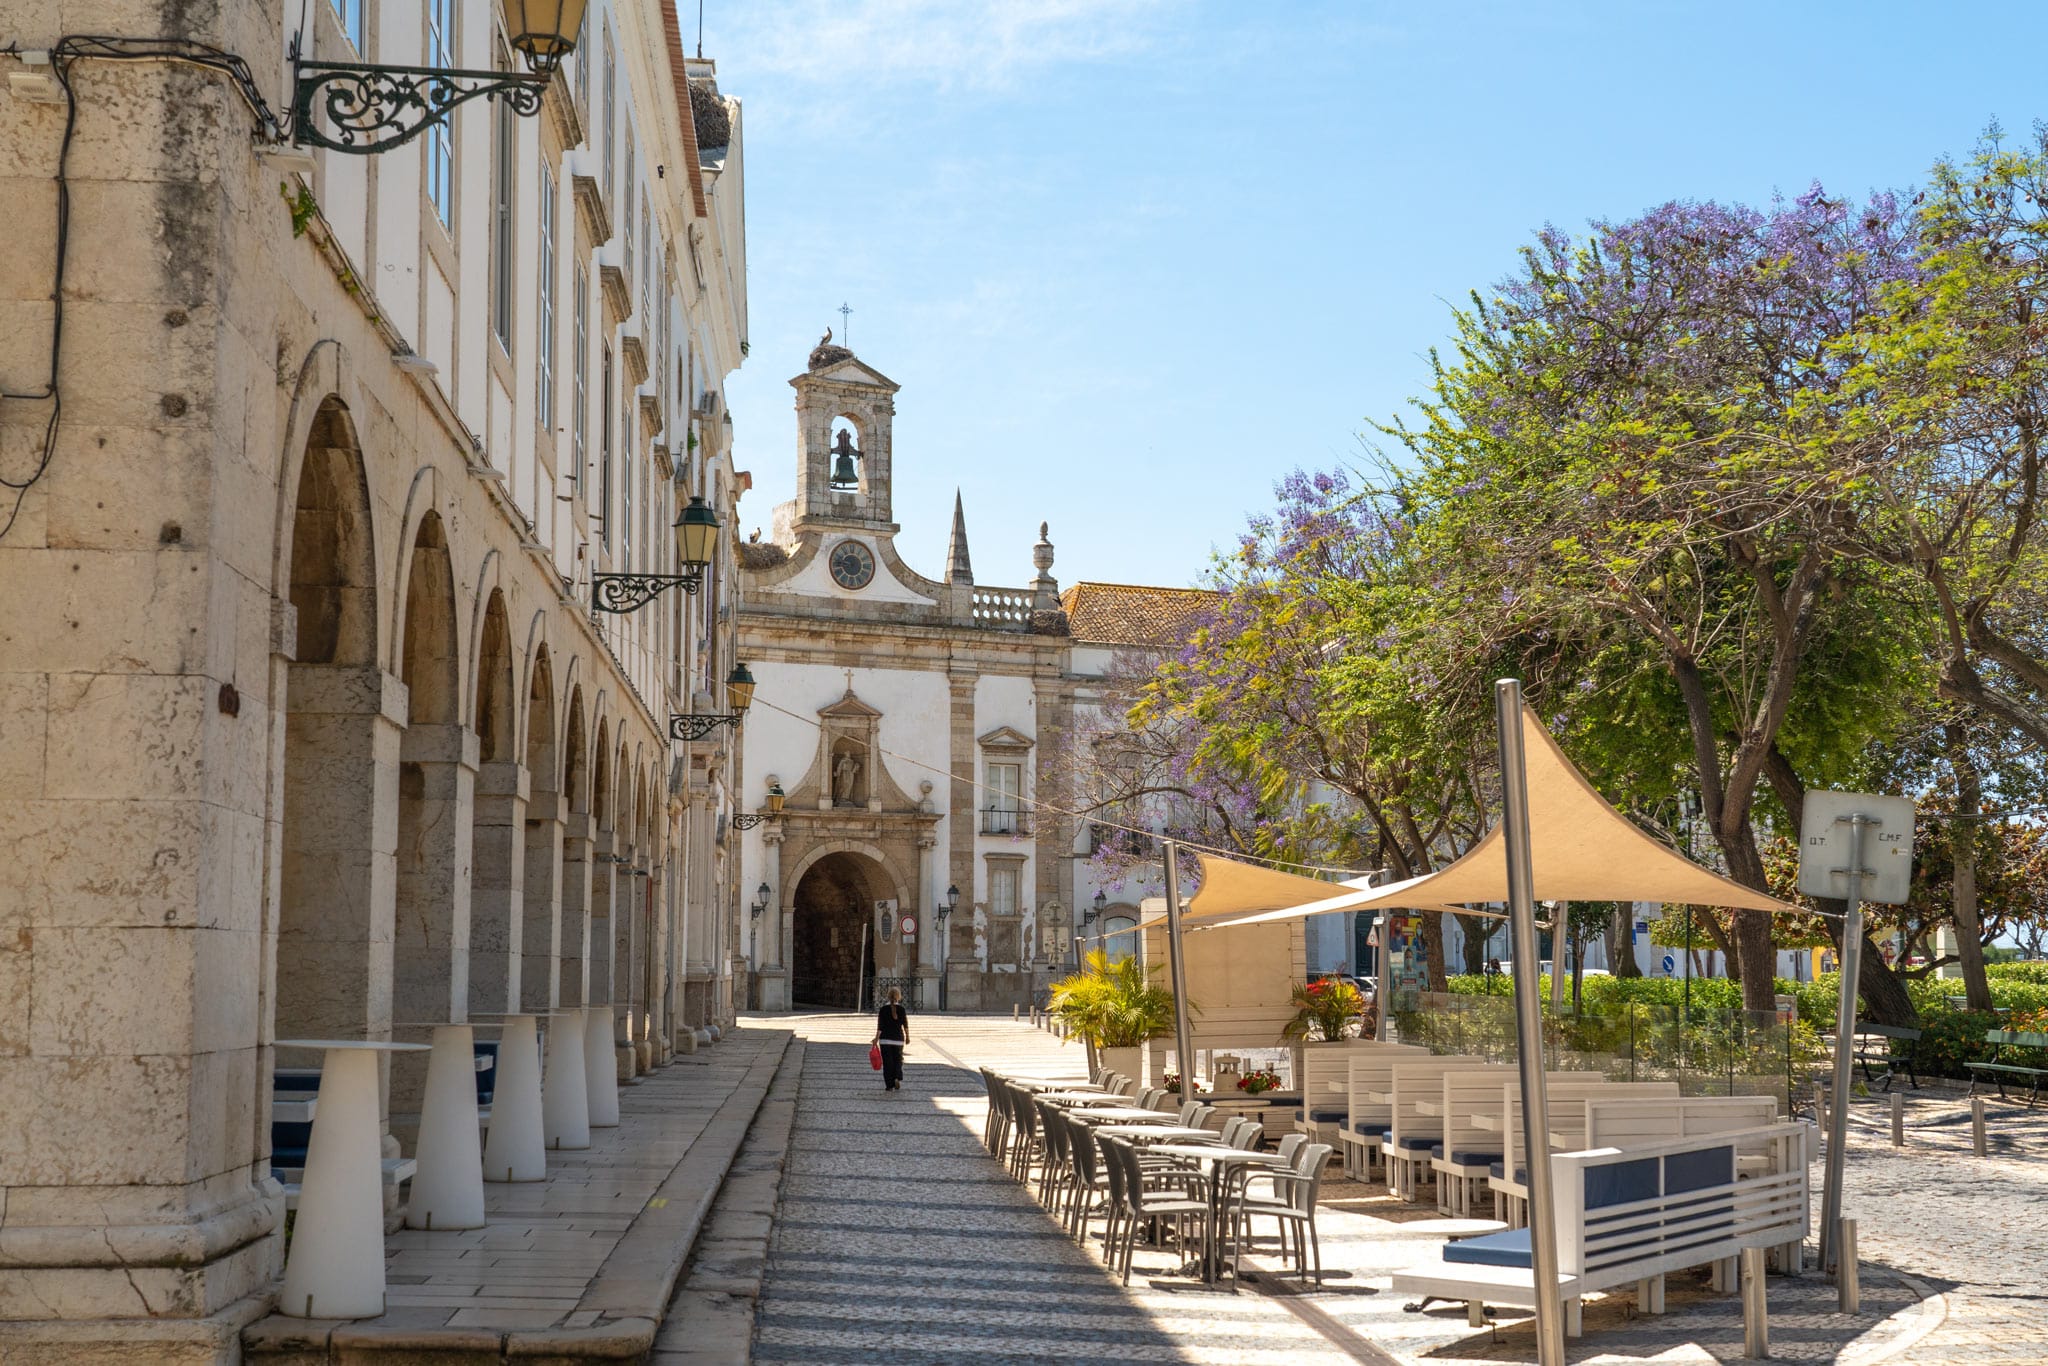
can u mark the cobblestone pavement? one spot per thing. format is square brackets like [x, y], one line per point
[899, 1239]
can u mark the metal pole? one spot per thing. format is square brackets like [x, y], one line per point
[1845, 1044]
[1183, 1035]
[1386, 978]
[1507, 709]
[860, 973]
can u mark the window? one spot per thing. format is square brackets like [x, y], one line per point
[580, 416]
[611, 110]
[1002, 889]
[440, 137]
[583, 66]
[626, 484]
[350, 12]
[504, 154]
[604, 448]
[647, 258]
[626, 219]
[1001, 804]
[544, 306]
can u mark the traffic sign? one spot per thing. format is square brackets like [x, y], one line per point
[908, 925]
[1887, 846]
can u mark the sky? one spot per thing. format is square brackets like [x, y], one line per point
[1132, 261]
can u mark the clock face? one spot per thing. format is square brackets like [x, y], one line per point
[852, 564]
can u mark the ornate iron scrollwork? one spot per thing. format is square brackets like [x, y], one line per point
[631, 592]
[747, 820]
[374, 108]
[697, 725]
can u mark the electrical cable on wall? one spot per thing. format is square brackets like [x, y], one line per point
[67, 50]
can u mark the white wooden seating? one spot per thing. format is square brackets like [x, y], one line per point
[1567, 1098]
[1411, 1133]
[1324, 1086]
[1465, 1155]
[1632, 1215]
[1365, 1120]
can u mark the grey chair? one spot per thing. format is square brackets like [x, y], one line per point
[1150, 1198]
[1292, 1202]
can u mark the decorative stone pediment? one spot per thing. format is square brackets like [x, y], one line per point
[848, 773]
[1006, 739]
[848, 368]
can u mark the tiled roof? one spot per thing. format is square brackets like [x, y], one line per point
[1130, 614]
[680, 75]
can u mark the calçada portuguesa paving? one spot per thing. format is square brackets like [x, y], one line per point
[899, 1239]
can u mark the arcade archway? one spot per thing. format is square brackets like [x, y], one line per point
[834, 902]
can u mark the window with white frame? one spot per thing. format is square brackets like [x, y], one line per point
[350, 12]
[583, 66]
[504, 156]
[1002, 888]
[647, 257]
[544, 306]
[626, 218]
[440, 138]
[580, 365]
[626, 444]
[604, 448]
[609, 77]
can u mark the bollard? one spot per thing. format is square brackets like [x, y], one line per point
[1898, 1119]
[1979, 1144]
[1756, 1314]
[1845, 1268]
[1013, 1014]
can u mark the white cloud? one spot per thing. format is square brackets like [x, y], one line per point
[849, 46]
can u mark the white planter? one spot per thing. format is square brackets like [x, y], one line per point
[1129, 1061]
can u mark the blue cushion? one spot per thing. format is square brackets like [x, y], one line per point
[1699, 1170]
[1499, 1168]
[1621, 1183]
[1417, 1145]
[1328, 1116]
[1494, 1249]
[1466, 1157]
[1436, 1150]
[1373, 1128]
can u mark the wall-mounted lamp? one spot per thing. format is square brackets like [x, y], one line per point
[739, 695]
[748, 820]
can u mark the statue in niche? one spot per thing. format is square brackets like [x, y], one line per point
[845, 779]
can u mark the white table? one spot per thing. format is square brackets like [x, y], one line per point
[335, 1268]
[448, 1188]
[565, 1086]
[516, 1147]
[1080, 1099]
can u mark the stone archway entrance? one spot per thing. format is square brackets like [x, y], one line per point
[834, 902]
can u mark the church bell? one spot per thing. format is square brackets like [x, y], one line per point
[843, 475]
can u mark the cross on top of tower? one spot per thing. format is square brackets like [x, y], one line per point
[845, 312]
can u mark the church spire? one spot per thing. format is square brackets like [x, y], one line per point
[958, 569]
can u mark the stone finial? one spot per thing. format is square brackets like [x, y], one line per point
[1045, 589]
[958, 568]
[1041, 554]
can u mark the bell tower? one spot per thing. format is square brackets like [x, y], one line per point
[843, 413]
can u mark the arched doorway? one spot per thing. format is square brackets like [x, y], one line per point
[498, 825]
[835, 900]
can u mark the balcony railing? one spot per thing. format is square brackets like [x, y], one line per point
[996, 821]
[1101, 837]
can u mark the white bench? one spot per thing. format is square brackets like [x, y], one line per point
[1464, 1157]
[1631, 1216]
[1365, 1120]
[1411, 1133]
[1323, 1085]
[1567, 1098]
[396, 1171]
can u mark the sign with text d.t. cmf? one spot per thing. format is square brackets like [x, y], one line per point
[1887, 846]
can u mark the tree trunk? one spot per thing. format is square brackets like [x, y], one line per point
[1433, 950]
[1966, 840]
[1621, 941]
[1885, 999]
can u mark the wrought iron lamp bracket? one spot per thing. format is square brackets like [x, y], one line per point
[697, 725]
[631, 592]
[747, 820]
[374, 107]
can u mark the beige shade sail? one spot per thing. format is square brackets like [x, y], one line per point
[1581, 847]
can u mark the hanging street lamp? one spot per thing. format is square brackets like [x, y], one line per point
[372, 107]
[747, 820]
[739, 695]
[696, 531]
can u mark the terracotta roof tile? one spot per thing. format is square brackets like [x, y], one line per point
[679, 73]
[1131, 614]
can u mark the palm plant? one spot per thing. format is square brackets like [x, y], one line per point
[1112, 1004]
[1324, 1009]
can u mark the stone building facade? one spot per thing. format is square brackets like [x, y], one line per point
[909, 724]
[307, 726]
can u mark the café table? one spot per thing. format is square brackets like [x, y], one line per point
[515, 1148]
[1080, 1099]
[448, 1184]
[1096, 1114]
[1216, 1160]
[335, 1267]
[565, 1089]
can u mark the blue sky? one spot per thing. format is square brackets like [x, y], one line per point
[1133, 260]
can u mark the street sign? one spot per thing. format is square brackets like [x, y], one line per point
[908, 926]
[1887, 846]
[1670, 965]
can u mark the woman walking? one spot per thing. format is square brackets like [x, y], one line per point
[892, 1033]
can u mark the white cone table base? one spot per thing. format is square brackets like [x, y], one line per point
[601, 1067]
[564, 1094]
[516, 1149]
[448, 1189]
[335, 1269]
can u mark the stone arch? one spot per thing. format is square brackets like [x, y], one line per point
[540, 945]
[340, 714]
[575, 752]
[436, 803]
[828, 898]
[497, 819]
[601, 814]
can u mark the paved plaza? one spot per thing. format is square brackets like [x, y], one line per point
[899, 1239]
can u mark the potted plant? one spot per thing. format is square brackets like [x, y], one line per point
[1326, 1010]
[1257, 1083]
[1115, 1008]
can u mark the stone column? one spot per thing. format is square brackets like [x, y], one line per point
[540, 941]
[774, 923]
[604, 879]
[628, 914]
[430, 929]
[699, 927]
[497, 928]
[338, 880]
[578, 861]
[964, 969]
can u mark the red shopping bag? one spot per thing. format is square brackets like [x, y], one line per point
[875, 1057]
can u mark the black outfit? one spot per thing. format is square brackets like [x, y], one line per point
[893, 1025]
